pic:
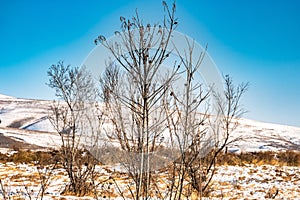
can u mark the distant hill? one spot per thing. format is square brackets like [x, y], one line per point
[24, 113]
[26, 121]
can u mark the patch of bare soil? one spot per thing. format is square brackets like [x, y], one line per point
[20, 122]
[7, 142]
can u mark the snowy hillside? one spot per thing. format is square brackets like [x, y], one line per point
[24, 113]
[26, 120]
[258, 136]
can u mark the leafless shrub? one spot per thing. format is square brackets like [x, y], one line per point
[76, 119]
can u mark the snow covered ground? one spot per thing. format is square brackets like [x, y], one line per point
[257, 182]
[25, 120]
[229, 182]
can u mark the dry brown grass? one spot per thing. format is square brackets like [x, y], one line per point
[282, 158]
[28, 156]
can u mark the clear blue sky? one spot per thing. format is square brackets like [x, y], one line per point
[256, 41]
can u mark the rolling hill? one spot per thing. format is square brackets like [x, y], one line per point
[25, 121]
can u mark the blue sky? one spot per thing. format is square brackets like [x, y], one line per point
[256, 41]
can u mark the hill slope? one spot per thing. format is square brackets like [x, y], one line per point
[25, 120]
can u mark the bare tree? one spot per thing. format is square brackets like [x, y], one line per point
[143, 103]
[229, 110]
[133, 87]
[188, 124]
[75, 119]
[199, 135]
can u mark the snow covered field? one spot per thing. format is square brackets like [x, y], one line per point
[230, 182]
[25, 121]
[257, 182]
